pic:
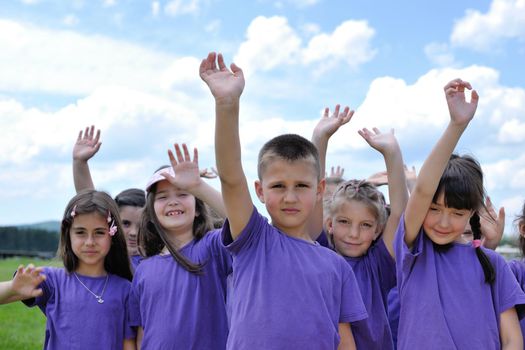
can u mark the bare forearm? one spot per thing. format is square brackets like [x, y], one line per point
[7, 294]
[82, 176]
[210, 196]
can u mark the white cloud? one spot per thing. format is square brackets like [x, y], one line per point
[439, 54]
[109, 108]
[181, 7]
[70, 20]
[65, 62]
[109, 3]
[512, 131]
[506, 173]
[30, 2]
[272, 42]
[505, 19]
[155, 8]
[310, 29]
[350, 43]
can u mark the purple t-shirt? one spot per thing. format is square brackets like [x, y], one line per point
[375, 273]
[178, 309]
[75, 320]
[287, 293]
[518, 268]
[445, 301]
[393, 312]
[135, 261]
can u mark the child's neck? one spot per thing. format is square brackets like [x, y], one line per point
[299, 232]
[178, 239]
[91, 270]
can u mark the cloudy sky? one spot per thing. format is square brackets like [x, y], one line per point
[131, 69]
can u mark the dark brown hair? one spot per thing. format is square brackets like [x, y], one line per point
[462, 188]
[91, 201]
[152, 237]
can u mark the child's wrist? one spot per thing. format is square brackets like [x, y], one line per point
[227, 101]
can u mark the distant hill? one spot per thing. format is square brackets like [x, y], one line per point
[51, 226]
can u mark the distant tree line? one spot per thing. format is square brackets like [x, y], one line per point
[28, 241]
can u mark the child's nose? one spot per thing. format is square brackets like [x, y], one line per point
[90, 240]
[354, 231]
[444, 220]
[290, 196]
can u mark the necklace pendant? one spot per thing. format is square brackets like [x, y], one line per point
[100, 300]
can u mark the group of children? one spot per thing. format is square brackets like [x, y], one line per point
[337, 267]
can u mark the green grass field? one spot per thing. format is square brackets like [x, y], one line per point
[21, 328]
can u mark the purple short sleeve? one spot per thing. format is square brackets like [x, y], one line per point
[178, 309]
[444, 299]
[287, 293]
[74, 315]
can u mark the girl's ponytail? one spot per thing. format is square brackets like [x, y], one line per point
[488, 269]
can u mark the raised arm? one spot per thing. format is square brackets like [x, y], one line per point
[24, 285]
[461, 113]
[324, 129]
[387, 145]
[86, 146]
[187, 178]
[226, 87]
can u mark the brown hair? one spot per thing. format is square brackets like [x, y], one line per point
[289, 147]
[92, 201]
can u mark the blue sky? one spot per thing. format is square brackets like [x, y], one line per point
[131, 68]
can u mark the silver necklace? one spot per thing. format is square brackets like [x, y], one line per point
[98, 297]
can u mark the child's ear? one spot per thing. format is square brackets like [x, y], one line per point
[329, 225]
[259, 190]
[320, 189]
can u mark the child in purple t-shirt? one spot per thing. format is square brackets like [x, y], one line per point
[518, 266]
[85, 303]
[178, 294]
[356, 216]
[453, 294]
[288, 291]
[130, 201]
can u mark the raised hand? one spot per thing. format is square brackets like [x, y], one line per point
[382, 142]
[225, 85]
[461, 111]
[26, 281]
[87, 144]
[208, 174]
[492, 224]
[378, 179]
[328, 125]
[337, 173]
[187, 173]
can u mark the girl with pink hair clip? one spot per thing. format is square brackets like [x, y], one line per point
[86, 301]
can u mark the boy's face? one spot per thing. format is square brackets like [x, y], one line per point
[290, 191]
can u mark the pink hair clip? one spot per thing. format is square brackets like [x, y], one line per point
[112, 229]
[74, 212]
[476, 243]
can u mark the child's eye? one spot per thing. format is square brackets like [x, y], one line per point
[302, 185]
[277, 186]
[79, 233]
[126, 223]
[366, 225]
[342, 221]
[459, 213]
[100, 233]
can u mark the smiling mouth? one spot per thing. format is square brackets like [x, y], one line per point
[174, 213]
